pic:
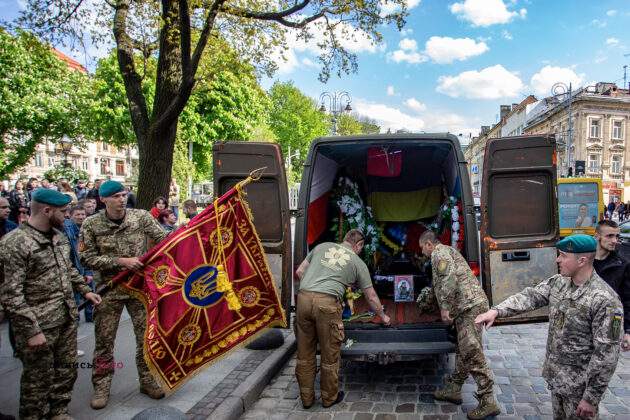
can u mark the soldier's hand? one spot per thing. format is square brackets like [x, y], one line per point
[37, 341]
[386, 320]
[584, 409]
[93, 297]
[487, 318]
[446, 316]
[130, 263]
[625, 342]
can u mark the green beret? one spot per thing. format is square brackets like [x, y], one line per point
[50, 197]
[577, 244]
[109, 188]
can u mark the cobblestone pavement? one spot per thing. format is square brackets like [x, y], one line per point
[403, 390]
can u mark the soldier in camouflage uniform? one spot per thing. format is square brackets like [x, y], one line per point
[38, 293]
[585, 328]
[460, 299]
[110, 241]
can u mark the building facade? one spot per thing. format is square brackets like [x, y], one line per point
[99, 160]
[600, 116]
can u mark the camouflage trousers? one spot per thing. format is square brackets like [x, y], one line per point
[106, 318]
[49, 372]
[470, 359]
[564, 407]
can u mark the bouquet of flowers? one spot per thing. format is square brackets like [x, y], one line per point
[353, 214]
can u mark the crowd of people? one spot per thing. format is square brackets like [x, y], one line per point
[617, 210]
[39, 213]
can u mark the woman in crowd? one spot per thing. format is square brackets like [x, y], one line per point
[173, 197]
[168, 220]
[65, 188]
[17, 198]
[159, 204]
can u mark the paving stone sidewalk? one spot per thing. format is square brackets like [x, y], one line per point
[403, 390]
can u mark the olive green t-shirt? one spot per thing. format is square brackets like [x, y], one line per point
[332, 268]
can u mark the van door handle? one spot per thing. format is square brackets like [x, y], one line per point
[515, 256]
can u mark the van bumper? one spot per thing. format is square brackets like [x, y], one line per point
[389, 345]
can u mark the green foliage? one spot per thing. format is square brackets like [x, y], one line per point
[67, 172]
[227, 104]
[349, 124]
[296, 121]
[40, 99]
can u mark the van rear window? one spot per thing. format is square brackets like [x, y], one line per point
[519, 205]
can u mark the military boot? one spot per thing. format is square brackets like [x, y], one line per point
[452, 392]
[100, 398]
[152, 391]
[488, 406]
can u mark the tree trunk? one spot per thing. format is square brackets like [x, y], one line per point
[156, 162]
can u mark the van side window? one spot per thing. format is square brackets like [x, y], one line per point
[519, 205]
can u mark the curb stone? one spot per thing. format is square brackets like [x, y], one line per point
[247, 393]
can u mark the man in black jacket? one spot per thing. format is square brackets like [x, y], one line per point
[614, 269]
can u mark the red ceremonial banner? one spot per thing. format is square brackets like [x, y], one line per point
[207, 288]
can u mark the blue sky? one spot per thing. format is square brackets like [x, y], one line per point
[456, 61]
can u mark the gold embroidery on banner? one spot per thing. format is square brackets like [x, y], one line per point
[189, 335]
[249, 296]
[160, 276]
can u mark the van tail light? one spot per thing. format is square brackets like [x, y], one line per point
[474, 266]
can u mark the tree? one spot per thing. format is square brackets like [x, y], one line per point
[226, 105]
[40, 99]
[296, 120]
[254, 28]
[349, 124]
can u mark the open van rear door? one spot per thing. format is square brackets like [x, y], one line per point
[519, 220]
[268, 199]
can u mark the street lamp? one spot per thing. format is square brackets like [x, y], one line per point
[561, 90]
[336, 106]
[64, 147]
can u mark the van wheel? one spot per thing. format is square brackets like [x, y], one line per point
[271, 339]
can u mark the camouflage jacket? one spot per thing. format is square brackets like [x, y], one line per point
[585, 329]
[39, 280]
[455, 286]
[102, 241]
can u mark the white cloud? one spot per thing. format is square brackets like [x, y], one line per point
[407, 53]
[388, 7]
[406, 32]
[506, 35]
[388, 117]
[309, 63]
[612, 42]
[415, 105]
[542, 81]
[485, 12]
[393, 118]
[599, 23]
[408, 44]
[445, 50]
[611, 13]
[490, 83]
[390, 90]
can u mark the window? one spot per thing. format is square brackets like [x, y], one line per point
[595, 128]
[105, 147]
[120, 167]
[615, 164]
[617, 130]
[104, 166]
[528, 217]
[593, 162]
[39, 162]
[85, 163]
[51, 161]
